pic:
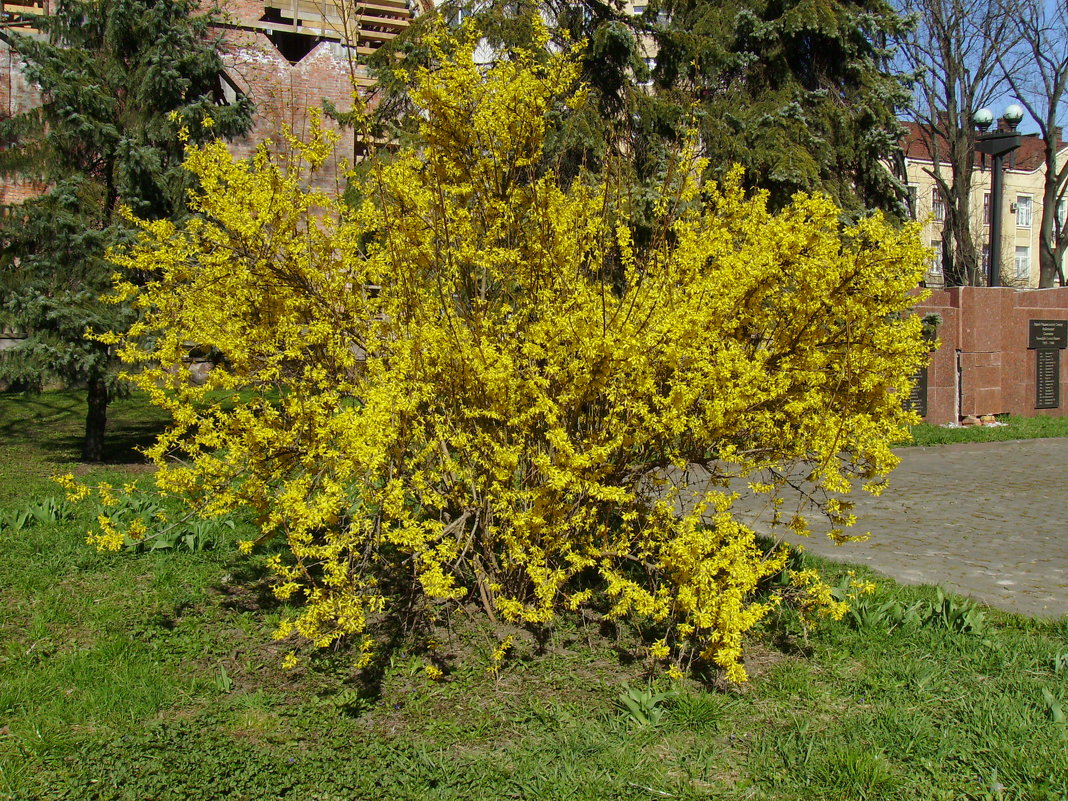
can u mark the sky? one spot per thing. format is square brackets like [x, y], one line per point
[1006, 96]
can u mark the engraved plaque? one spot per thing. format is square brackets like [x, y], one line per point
[916, 400]
[1047, 378]
[1047, 334]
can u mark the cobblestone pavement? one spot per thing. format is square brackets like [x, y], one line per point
[987, 520]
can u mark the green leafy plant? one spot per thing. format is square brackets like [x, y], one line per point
[194, 536]
[223, 682]
[1053, 707]
[963, 617]
[155, 531]
[960, 616]
[698, 711]
[348, 702]
[642, 706]
[887, 615]
[923, 674]
[41, 513]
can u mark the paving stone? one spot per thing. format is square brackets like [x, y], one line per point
[987, 520]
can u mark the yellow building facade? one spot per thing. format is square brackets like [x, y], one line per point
[1022, 207]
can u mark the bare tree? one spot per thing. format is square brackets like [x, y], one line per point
[1041, 31]
[952, 51]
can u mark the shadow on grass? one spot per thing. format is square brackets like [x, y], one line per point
[25, 408]
[52, 423]
[122, 446]
[248, 588]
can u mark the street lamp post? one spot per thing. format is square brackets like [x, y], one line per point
[998, 144]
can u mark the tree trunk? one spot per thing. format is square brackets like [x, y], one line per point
[96, 419]
[1047, 239]
[951, 273]
[968, 263]
[962, 268]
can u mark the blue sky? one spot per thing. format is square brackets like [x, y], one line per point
[1006, 97]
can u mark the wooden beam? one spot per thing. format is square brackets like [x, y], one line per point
[329, 32]
[21, 10]
[385, 7]
[311, 12]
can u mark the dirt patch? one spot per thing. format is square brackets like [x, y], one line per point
[254, 595]
[759, 659]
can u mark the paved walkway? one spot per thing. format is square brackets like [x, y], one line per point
[988, 520]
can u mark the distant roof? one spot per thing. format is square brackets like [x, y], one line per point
[1030, 155]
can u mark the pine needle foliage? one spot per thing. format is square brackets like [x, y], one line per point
[469, 384]
[803, 93]
[118, 79]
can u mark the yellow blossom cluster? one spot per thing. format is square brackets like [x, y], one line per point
[500, 653]
[814, 598]
[470, 379]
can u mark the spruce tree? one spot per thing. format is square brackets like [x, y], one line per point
[801, 92]
[119, 79]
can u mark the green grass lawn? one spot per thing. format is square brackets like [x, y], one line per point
[1014, 428]
[146, 676]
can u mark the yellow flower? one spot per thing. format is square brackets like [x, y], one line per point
[481, 389]
[659, 650]
[499, 655]
[136, 530]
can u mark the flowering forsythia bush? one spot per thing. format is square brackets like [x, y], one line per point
[472, 384]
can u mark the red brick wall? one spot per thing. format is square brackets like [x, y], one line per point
[242, 12]
[984, 365]
[283, 92]
[17, 94]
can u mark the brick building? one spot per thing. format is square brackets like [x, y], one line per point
[287, 55]
[16, 93]
[1024, 177]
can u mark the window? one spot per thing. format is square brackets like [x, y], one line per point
[293, 46]
[1060, 213]
[936, 259]
[1023, 263]
[938, 206]
[911, 201]
[462, 13]
[226, 91]
[986, 259]
[639, 9]
[1023, 211]
[986, 209]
